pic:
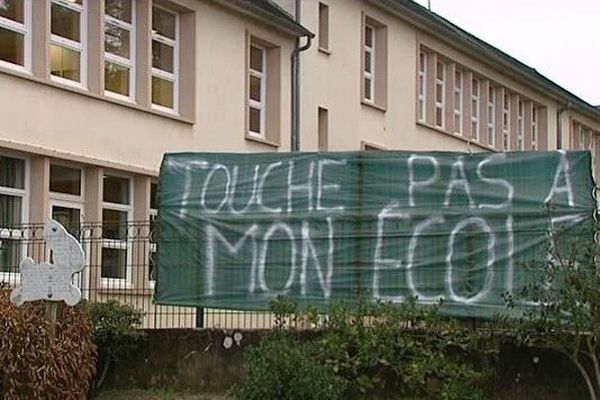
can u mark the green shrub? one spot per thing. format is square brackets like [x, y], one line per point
[32, 366]
[116, 333]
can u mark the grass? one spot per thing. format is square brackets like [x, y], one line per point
[155, 394]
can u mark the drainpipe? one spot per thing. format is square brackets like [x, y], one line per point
[295, 136]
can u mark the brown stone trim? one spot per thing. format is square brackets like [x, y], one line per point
[40, 39]
[39, 189]
[94, 47]
[141, 247]
[143, 60]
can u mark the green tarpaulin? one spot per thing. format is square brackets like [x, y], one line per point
[236, 230]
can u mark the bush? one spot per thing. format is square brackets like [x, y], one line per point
[116, 333]
[34, 367]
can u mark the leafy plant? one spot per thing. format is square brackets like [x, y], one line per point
[33, 366]
[115, 331]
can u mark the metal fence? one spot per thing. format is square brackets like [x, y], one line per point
[120, 267]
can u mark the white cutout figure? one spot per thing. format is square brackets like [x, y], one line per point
[46, 281]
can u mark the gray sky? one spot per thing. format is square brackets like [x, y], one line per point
[559, 38]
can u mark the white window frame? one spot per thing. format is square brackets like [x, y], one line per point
[130, 63]
[422, 82]
[366, 74]
[506, 111]
[534, 128]
[492, 116]
[520, 124]
[14, 278]
[440, 105]
[126, 244]
[475, 109]
[168, 76]
[80, 47]
[458, 105]
[261, 105]
[25, 30]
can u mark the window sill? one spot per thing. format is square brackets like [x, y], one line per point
[324, 51]
[456, 136]
[81, 90]
[262, 140]
[373, 105]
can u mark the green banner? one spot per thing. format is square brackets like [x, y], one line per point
[236, 230]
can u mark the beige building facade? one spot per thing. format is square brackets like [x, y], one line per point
[94, 92]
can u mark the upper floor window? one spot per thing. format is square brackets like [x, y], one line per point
[422, 86]
[534, 128]
[475, 93]
[374, 63]
[520, 125]
[14, 33]
[458, 101]
[506, 110]
[323, 27]
[440, 94]
[165, 58]
[67, 47]
[369, 60]
[491, 128]
[119, 47]
[257, 93]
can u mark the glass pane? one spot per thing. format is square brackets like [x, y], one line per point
[68, 217]
[439, 90]
[162, 56]
[368, 36]
[65, 180]
[116, 40]
[254, 116]
[438, 117]
[12, 9]
[162, 92]
[440, 71]
[64, 63]
[116, 78]
[475, 87]
[10, 255]
[116, 189]
[12, 172]
[10, 210]
[119, 9]
[114, 263]
[368, 62]
[114, 224]
[153, 196]
[368, 94]
[255, 88]
[65, 22]
[256, 58]
[12, 49]
[163, 22]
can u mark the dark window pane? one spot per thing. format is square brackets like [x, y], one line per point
[65, 180]
[10, 255]
[116, 189]
[64, 63]
[255, 88]
[162, 56]
[256, 58]
[12, 172]
[114, 224]
[254, 123]
[68, 217]
[10, 211]
[116, 78]
[65, 22]
[153, 196]
[368, 94]
[12, 47]
[12, 9]
[119, 9]
[116, 40]
[368, 61]
[114, 263]
[368, 36]
[163, 22]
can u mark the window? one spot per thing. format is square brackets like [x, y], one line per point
[520, 124]
[66, 197]
[585, 142]
[422, 86]
[165, 59]
[14, 33]
[323, 127]
[116, 245]
[119, 47]
[440, 94]
[458, 101]
[67, 47]
[12, 203]
[65, 180]
[492, 116]
[323, 26]
[534, 128]
[257, 92]
[152, 237]
[369, 60]
[506, 122]
[475, 90]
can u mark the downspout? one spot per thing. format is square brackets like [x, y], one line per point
[295, 136]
